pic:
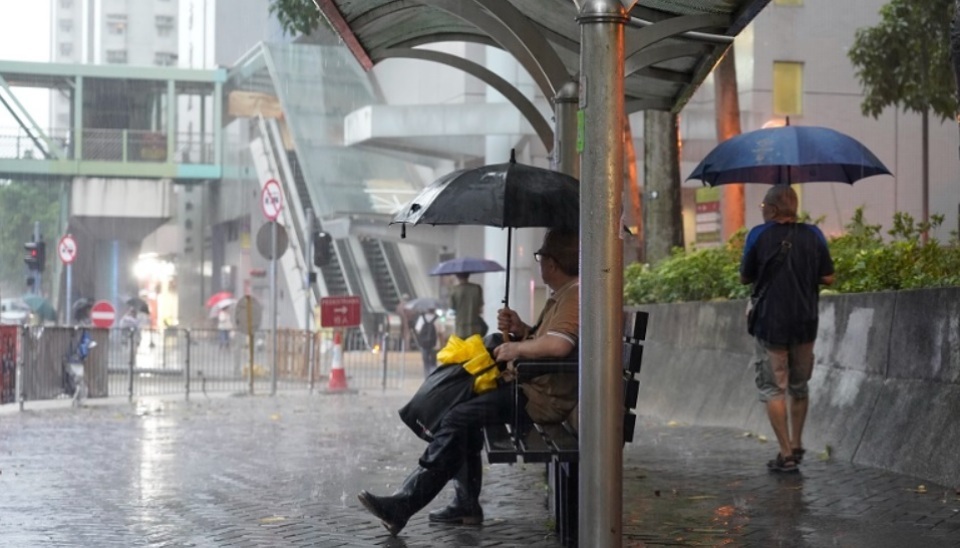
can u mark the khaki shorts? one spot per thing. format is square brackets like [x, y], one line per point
[783, 369]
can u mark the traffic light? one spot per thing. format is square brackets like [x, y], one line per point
[35, 255]
[322, 249]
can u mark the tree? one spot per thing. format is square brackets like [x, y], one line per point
[727, 107]
[23, 203]
[904, 61]
[296, 16]
[955, 47]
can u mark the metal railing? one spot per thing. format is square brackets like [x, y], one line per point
[116, 145]
[153, 362]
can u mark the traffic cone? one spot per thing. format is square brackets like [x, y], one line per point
[338, 378]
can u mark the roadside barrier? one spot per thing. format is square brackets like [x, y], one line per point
[154, 362]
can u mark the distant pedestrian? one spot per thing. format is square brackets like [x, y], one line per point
[427, 337]
[224, 327]
[130, 325]
[466, 299]
[407, 319]
[786, 261]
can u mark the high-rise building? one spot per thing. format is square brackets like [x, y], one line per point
[110, 32]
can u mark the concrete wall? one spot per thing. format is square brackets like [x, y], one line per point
[885, 390]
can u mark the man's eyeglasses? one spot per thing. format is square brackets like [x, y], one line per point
[539, 255]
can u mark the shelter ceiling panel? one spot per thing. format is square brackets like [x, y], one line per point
[373, 26]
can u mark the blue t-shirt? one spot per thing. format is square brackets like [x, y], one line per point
[788, 312]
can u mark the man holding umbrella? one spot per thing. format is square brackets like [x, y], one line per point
[466, 299]
[454, 453]
[785, 261]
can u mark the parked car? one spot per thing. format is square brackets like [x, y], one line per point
[14, 312]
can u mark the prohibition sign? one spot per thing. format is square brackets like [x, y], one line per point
[67, 249]
[271, 200]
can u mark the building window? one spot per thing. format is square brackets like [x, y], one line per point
[164, 59]
[66, 25]
[66, 49]
[787, 88]
[165, 23]
[117, 56]
[117, 24]
[788, 2]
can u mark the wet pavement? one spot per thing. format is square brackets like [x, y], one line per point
[284, 471]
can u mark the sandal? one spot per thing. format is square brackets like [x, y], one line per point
[798, 453]
[783, 464]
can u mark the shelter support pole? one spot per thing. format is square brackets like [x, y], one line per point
[601, 270]
[566, 159]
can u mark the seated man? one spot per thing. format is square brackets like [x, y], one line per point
[454, 452]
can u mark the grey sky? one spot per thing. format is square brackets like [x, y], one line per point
[25, 36]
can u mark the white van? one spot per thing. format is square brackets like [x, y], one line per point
[14, 311]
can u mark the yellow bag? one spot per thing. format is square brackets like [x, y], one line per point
[475, 359]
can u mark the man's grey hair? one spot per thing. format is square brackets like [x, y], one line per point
[784, 198]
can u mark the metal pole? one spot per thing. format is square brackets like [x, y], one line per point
[384, 339]
[186, 368]
[308, 286]
[601, 268]
[38, 276]
[566, 159]
[273, 306]
[68, 306]
[250, 339]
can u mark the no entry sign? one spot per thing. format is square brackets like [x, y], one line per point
[271, 200]
[67, 249]
[103, 314]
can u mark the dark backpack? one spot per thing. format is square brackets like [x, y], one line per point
[427, 336]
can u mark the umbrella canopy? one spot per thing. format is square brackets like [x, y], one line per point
[220, 305]
[509, 195]
[81, 309]
[466, 265]
[217, 297]
[41, 307]
[422, 304]
[787, 155]
[138, 304]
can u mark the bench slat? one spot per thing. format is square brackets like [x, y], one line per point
[632, 356]
[564, 442]
[534, 448]
[635, 325]
[499, 444]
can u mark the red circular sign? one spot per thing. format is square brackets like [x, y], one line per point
[271, 200]
[67, 249]
[102, 314]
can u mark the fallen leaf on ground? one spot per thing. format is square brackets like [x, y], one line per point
[275, 417]
[762, 438]
[272, 519]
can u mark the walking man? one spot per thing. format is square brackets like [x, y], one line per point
[786, 261]
[466, 299]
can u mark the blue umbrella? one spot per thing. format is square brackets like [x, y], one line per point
[466, 265]
[787, 155]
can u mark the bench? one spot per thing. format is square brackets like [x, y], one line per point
[557, 444]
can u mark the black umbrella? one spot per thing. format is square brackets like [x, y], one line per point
[138, 304]
[509, 195]
[81, 309]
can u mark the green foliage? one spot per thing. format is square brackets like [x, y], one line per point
[699, 275]
[21, 204]
[863, 261]
[296, 16]
[905, 59]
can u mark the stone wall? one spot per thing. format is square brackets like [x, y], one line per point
[885, 390]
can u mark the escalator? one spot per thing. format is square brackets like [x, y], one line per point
[332, 273]
[388, 271]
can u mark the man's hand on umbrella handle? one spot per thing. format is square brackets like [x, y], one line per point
[509, 322]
